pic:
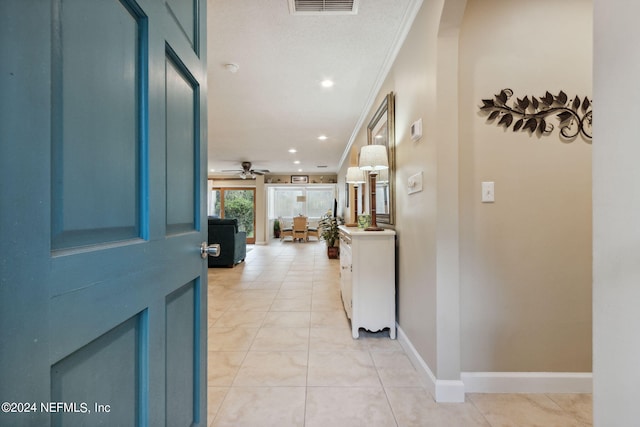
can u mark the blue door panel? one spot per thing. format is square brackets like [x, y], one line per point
[182, 144]
[102, 288]
[101, 382]
[184, 14]
[95, 122]
[182, 353]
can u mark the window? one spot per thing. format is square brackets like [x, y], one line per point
[285, 203]
[290, 201]
[319, 201]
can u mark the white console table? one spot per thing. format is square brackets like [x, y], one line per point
[367, 279]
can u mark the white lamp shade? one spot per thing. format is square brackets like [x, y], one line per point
[355, 175]
[373, 158]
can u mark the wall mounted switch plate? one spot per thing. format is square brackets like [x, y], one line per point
[416, 130]
[488, 192]
[414, 183]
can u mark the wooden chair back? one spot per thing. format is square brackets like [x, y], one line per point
[286, 229]
[300, 227]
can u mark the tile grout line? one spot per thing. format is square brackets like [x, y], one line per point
[482, 414]
[384, 388]
[306, 383]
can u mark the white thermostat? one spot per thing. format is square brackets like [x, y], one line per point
[416, 130]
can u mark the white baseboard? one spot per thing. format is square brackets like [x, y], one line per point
[494, 382]
[527, 382]
[449, 391]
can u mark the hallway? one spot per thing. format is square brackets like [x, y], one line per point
[281, 354]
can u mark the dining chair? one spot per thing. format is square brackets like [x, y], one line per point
[286, 229]
[313, 231]
[300, 228]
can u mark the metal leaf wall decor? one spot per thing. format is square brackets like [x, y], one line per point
[532, 114]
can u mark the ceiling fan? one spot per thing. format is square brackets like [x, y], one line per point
[246, 171]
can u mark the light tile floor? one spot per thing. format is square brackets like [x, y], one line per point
[281, 354]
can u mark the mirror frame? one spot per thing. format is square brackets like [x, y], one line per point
[386, 107]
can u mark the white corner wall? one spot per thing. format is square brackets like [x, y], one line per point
[616, 214]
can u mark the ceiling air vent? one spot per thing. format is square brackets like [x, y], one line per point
[323, 7]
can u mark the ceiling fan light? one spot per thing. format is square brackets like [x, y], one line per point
[243, 175]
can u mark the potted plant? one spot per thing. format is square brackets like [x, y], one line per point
[329, 233]
[276, 228]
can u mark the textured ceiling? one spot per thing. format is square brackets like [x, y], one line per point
[274, 102]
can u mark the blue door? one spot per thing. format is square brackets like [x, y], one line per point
[102, 213]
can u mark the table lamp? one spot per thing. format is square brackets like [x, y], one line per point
[373, 158]
[355, 176]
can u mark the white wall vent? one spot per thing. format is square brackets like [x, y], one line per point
[323, 7]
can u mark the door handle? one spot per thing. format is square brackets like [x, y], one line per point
[209, 250]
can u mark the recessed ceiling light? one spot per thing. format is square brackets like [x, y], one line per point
[212, 170]
[297, 162]
[323, 137]
[327, 83]
[299, 170]
[293, 150]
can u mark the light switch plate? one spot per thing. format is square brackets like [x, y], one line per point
[416, 130]
[488, 192]
[414, 183]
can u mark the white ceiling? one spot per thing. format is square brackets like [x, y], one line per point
[275, 102]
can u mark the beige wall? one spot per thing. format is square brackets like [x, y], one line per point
[505, 286]
[525, 259]
[412, 80]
